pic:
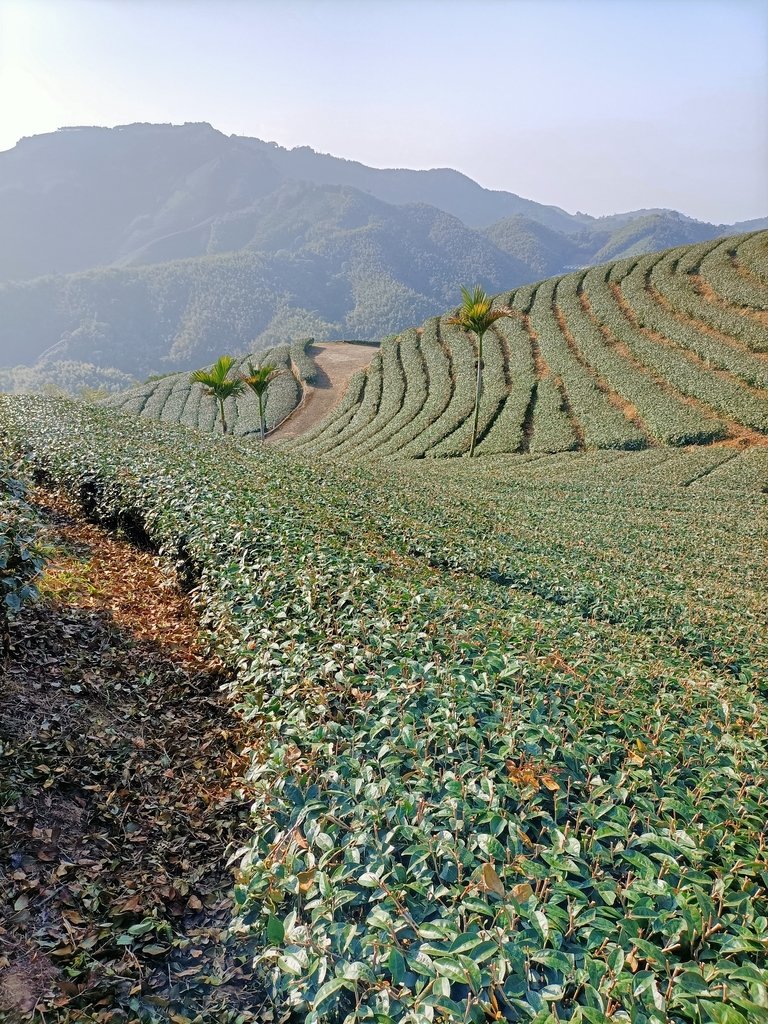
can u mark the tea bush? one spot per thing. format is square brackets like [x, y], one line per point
[623, 356]
[21, 552]
[509, 717]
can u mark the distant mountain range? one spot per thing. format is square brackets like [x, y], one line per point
[151, 248]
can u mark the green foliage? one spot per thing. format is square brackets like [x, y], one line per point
[670, 361]
[477, 313]
[218, 383]
[624, 356]
[302, 360]
[176, 398]
[657, 414]
[494, 774]
[64, 377]
[21, 552]
[258, 380]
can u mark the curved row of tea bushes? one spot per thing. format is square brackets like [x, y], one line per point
[432, 377]
[726, 271]
[462, 396]
[668, 278]
[664, 418]
[414, 397]
[552, 427]
[683, 276]
[616, 357]
[176, 399]
[603, 425]
[722, 395]
[506, 430]
[392, 395]
[494, 393]
[752, 258]
[360, 414]
[341, 415]
[302, 361]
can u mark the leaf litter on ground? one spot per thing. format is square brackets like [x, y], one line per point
[120, 793]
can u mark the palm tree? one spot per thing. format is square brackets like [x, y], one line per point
[258, 380]
[475, 315]
[218, 383]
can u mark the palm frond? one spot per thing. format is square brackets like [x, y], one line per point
[476, 313]
[259, 378]
[215, 375]
[216, 379]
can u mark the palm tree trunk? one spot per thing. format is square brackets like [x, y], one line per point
[261, 416]
[223, 418]
[478, 392]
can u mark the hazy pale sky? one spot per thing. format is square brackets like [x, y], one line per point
[593, 105]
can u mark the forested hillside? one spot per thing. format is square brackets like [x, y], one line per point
[152, 248]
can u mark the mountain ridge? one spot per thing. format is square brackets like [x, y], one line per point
[148, 248]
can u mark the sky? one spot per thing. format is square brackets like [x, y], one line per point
[593, 105]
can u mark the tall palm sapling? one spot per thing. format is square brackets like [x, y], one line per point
[475, 316]
[218, 383]
[258, 380]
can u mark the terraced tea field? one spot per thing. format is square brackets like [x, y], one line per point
[177, 399]
[669, 349]
[509, 720]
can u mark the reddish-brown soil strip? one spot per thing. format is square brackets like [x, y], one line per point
[692, 357]
[543, 371]
[706, 291]
[703, 289]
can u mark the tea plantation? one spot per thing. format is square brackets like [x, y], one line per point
[509, 716]
[666, 349]
[177, 399]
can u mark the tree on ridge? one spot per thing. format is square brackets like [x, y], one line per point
[258, 380]
[217, 382]
[475, 316]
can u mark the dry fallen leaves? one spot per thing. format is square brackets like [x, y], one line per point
[118, 797]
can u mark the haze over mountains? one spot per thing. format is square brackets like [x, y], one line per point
[151, 248]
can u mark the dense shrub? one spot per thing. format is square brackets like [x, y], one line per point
[21, 553]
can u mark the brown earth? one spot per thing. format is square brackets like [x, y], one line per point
[337, 362]
[121, 797]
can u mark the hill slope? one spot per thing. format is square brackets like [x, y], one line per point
[149, 248]
[343, 264]
[80, 198]
[665, 349]
[175, 398]
[85, 197]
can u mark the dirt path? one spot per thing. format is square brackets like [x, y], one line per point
[337, 362]
[121, 795]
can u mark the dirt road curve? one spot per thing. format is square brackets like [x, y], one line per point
[336, 361]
